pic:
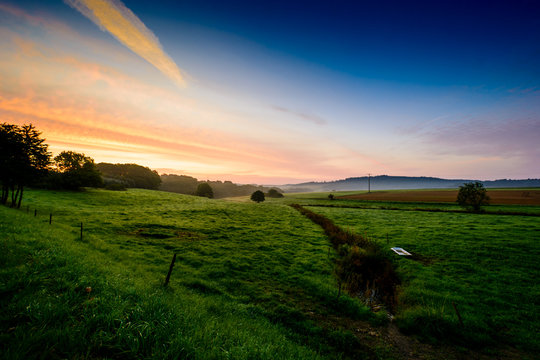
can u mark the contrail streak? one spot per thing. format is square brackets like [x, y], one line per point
[113, 16]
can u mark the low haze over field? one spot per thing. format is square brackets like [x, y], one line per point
[280, 92]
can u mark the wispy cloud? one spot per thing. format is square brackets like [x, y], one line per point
[84, 101]
[307, 117]
[511, 138]
[113, 16]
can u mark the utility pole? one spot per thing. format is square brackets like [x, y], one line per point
[369, 183]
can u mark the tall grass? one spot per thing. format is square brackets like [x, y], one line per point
[360, 264]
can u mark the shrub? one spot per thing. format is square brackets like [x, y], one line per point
[204, 190]
[472, 196]
[273, 193]
[257, 196]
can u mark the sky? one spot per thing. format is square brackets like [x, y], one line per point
[276, 92]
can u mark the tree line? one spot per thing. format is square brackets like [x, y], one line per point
[188, 185]
[26, 161]
[24, 157]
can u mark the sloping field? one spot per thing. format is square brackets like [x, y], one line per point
[251, 281]
[498, 197]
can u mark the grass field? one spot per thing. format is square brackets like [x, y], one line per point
[417, 200]
[254, 281]
[485, 264]
[250, 280]
[498, 196]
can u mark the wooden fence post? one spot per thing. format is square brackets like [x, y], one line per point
[458, 314]
[35, 212]
[50, 218]
[170, 271]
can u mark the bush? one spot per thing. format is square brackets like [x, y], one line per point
[257, 196]
[204, 190]
[472, 196]
[273, 193]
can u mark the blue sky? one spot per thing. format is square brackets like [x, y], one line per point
[309, 90]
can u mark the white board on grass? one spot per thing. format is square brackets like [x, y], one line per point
[400, 251]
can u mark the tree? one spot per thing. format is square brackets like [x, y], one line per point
[23, 160]
[182, 184]
[75, 170]
[131, 175]
[273, 193]
[472, 196]
[205, 190]
[257, 196]
[70, 161]
[331, 196]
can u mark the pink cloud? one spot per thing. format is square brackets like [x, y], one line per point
[94, 101]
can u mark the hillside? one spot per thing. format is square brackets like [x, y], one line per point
[247, 281]
[385, 182]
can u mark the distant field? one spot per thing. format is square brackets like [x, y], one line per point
[498, 196]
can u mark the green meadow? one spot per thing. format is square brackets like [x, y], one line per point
[483, 267]
[255, 281]
[251, 281]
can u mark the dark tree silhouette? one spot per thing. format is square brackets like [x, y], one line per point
[472, 196]
[23, 160]
[273, 193]
[131, 175]
[182, 184]
[257, 196]
[331, 196]
[205, 190]
[75, 170]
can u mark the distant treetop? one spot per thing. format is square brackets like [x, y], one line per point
[257, 196]
[204, 190]
[273, 193]
[131, 175]
[472, 196]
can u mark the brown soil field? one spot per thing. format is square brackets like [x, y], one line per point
[506, 197]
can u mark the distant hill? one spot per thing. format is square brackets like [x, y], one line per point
[184, 184]
[385, 182]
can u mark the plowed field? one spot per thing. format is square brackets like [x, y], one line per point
[506, 197]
